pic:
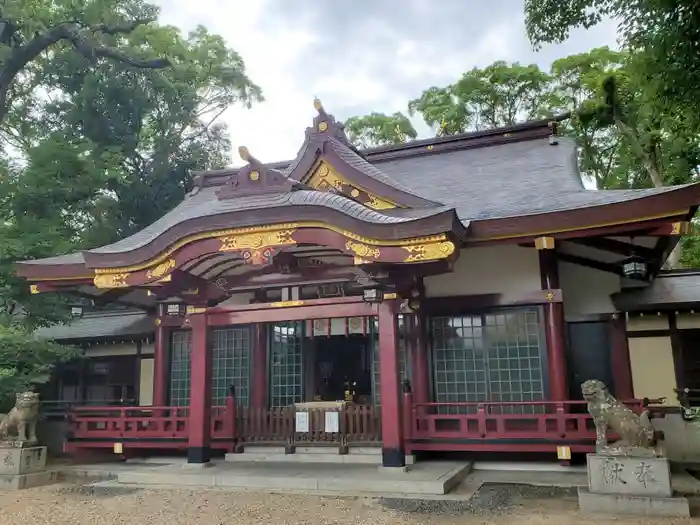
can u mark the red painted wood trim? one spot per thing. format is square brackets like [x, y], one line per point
[160, 362]
[200, 383]
[555, 329]
[621, 366]
[260, 386]
[389, 387]
[298, 313]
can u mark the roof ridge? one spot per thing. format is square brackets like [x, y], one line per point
[529, 130]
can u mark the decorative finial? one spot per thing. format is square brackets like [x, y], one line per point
[318, 105]
[244, 153]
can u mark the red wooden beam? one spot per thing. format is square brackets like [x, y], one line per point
[291, 311]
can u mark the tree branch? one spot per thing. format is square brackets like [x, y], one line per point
[23, 55]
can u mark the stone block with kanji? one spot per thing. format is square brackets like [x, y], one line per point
[629, 475]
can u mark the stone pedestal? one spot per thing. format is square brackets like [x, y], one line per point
[23, 467]
[630, 485]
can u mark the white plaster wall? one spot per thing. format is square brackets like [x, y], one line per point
[509, 270]
[653, 374]
[636, 323]
[108, 350]
[238, 300]
[688, 321]
[586, 290]
[146, 382]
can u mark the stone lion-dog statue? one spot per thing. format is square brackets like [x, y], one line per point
[636, 433]
[20, 423]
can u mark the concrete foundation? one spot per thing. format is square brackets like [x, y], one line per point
[24, 467]
[630, 485]
[272, 454]
[430, 478]
[634, 505]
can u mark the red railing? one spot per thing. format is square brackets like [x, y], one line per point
[500, 426]
[116, 423]
[357, 424]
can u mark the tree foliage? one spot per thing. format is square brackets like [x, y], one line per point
[106, 114]
[378, 129]
[26, 361]
[626, 137]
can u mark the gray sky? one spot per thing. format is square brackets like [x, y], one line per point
[358, 56]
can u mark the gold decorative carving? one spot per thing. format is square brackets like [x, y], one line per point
[325, 175]
[378, 204]
[429, 252]
[161, 269]
[158, 322]
[34, 289]
[256, 242]
[323, 126]
[111, 280]
[191, 310]
[254, 175]
[681, 228]
[391, 295]
[286, 304]
[544, 243]
[550, 296]
[362, 250]
[166, 279]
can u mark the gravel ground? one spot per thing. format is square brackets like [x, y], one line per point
[76, 504]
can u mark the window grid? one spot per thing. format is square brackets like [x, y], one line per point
[491, 357]
[180, 365]
[231, 364]
[404, 355]
[286, 361]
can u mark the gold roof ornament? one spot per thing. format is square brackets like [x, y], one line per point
[244, 153]
[317, 104]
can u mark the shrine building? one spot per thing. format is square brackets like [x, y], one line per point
[447, 294]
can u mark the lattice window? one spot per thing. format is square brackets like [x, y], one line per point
[404, 355]
[286, 363]
[231, 364]
[180, 363]
[492, 357]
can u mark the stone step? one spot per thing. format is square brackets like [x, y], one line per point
[309, 457]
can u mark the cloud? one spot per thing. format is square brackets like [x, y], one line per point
[359, 56]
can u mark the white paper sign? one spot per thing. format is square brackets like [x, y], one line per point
[332, 422]
[302, 422]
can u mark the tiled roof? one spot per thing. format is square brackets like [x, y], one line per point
[101, 325]
[509, 180]
[671, 289]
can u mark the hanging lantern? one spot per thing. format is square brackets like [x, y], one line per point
[634, 267]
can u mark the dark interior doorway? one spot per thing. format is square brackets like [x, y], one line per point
[687, 360]
[589, 356]
[343, 363]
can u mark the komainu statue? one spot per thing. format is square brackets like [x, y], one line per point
[20, 424]
[636, 433]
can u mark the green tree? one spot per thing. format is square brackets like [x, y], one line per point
[498, 95]
[378, 129]
[108, 148]
[26, 362]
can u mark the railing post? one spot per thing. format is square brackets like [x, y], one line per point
[408, 420]
[560, 411]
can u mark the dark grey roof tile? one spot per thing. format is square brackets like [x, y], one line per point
[96, 325]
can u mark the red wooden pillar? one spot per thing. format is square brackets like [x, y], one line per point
[259, 366]
[555, 326]
[621, 366]
[419, 358]
[160, 362]
[199, 426]
[393, 454]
